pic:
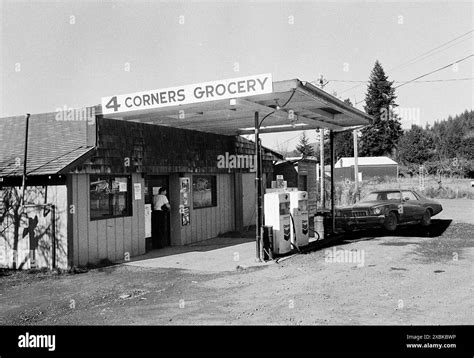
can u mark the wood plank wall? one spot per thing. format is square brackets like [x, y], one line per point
[207, 223]
[93, 241]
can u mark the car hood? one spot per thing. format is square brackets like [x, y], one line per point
[364, 205]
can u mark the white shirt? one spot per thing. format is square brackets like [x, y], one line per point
[159, 200]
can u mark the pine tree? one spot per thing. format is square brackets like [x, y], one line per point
[416, 146]
[304, 147]
[382, 135]
[344, 142]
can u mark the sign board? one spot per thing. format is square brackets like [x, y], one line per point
[138, 191]
[195, 93]
[147, 220]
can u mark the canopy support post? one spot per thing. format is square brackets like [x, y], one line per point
[258, 183]
[333, 206]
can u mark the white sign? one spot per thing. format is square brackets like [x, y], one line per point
[200, 92]
[138, 191]
[122, 186]
[147, 220]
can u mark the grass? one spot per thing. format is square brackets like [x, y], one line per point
[434, 187]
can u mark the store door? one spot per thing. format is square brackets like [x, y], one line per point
[160, 219]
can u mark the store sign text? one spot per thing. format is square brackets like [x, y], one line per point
[202, 92]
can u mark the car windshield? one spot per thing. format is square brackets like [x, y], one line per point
[377, 196]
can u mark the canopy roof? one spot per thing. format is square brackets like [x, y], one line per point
[312, 108]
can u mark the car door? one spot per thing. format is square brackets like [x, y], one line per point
[412, 208]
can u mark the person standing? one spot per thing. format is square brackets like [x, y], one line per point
[161, 207]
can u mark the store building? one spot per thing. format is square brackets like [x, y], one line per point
[100, 174]
[91, 175]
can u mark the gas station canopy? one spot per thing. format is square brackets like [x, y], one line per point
[230, 106]
[246, 105]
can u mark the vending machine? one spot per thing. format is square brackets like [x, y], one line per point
[277, 215]
[299, 218]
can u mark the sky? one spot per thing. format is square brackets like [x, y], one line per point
[73, 53]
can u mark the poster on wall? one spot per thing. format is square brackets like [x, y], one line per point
[184, 185]
[185, 217]
[138, 191]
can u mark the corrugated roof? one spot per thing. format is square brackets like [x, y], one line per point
[52, 144]
[345, 162]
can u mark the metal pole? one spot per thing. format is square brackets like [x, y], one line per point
[356, 164]
[258, 184]
[321, 159]
[53, 234]
[333, 206]
[27, 117]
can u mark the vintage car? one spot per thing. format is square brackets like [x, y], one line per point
[388, 209]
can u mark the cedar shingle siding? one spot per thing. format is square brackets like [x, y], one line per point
[156, 149]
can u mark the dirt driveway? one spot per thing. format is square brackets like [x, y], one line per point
[416, 277]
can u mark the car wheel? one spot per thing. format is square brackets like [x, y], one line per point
[391, 221]
[426, 219]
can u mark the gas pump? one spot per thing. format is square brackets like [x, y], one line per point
[299, 218]
[277, 214]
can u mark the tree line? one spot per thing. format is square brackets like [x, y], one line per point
[445, 147]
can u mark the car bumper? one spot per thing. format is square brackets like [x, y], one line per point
[360, 221]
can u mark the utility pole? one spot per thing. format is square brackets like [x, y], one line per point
[356, 164]
[322, 82]
[321, 160]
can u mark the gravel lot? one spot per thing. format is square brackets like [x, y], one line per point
[415, 277]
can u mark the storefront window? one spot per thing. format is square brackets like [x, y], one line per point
[110, 196]
[204, 191]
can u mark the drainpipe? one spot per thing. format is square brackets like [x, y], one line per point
[53, 223]
[27, 117]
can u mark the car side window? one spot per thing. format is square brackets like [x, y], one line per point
[408, 195]
[393, 196]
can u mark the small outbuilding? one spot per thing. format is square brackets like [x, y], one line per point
[368, 167]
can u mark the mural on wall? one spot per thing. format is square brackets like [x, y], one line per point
[26, 233]
[34, 240]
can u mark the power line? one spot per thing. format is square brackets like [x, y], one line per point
[439, 69]
[433, 49]
[429, 73]
[439, 80]
[423, 54]
[433, 53]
